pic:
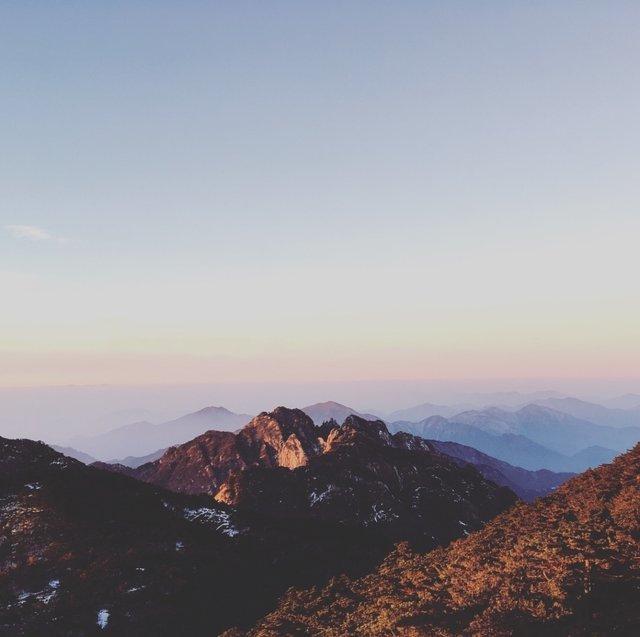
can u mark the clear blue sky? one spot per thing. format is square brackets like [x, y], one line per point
[308, 190]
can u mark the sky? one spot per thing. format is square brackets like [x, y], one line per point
[202, 192]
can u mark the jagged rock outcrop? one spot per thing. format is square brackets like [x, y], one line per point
[366, 478]
[281, 438]
[287, 438]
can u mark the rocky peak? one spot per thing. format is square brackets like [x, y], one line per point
[358, 430]
[284, 437]
[412, 443]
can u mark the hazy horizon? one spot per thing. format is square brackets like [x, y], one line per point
[59, 413]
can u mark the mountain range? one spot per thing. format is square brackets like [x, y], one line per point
[598, 414]
[232, 526]
[288, 438]
[533, 437]
[84, 549]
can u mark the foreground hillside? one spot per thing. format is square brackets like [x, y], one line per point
[568, 564]
[83, 550]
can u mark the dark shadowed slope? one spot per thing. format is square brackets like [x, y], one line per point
[568, 564]
[77, 544]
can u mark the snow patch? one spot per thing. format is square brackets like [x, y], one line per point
[380, 515]
[45, 598]
[221, 519]
[103, 618]
[315, 497]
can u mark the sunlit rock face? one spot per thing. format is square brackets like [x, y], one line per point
[281, 438]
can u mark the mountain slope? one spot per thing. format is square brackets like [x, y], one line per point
[567, 564]
[528, 485]
[398, 487]
[77, 543]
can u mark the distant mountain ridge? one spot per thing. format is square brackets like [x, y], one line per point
[143, 438]
[626, 401]
[85, 458]
[424, 411]
[330, 410]
[598, 414]
[534, 437]
[551, 428]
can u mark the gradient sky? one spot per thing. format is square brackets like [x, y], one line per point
[206, 191]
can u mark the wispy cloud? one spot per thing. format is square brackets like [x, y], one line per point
[31, 233]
